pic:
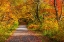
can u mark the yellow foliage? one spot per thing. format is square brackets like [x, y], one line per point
[5, 6]
[24, 9]
[51, 25]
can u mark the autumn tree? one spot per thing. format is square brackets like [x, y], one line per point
[6, 15]
[37, 2]
[58, 8]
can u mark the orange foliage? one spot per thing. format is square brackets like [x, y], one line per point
[33, 26]
[58, 5]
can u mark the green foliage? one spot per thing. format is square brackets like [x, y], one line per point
[50, 28]
[6, 31]
[60, 35]
[11, 11]
[8, 21]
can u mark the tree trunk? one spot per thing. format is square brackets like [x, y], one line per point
[56, 10]
[37, 10]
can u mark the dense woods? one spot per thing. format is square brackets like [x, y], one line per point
[45, 16]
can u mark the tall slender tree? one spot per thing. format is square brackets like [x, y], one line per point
[58, 8]
[37, 10]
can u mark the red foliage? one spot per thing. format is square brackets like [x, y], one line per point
[58, 5]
